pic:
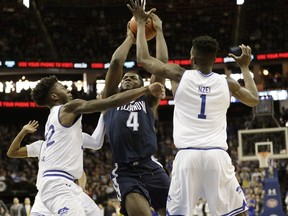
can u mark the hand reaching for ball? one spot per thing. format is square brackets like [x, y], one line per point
[150, 31]
[157, 22]
[137, 8]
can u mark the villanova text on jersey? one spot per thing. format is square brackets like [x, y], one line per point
[134, 106]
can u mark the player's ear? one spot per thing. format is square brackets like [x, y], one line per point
[53, 97]
[194, 60]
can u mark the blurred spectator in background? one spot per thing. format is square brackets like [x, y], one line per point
[26, 209]
[15, 209]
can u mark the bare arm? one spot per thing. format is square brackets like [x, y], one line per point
[78, 106]
[149, 63]
[162, 55]
[15, 150]
[115, 71]
[248, 94]
[161, 46]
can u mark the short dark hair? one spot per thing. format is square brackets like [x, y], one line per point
[205, 45]
[40, 92]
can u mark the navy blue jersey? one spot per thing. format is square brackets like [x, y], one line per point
[131, 132]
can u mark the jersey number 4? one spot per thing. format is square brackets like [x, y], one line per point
[132, 121]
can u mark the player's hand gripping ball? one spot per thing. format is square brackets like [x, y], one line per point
[150, 32]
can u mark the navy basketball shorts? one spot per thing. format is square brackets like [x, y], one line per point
[147, 178]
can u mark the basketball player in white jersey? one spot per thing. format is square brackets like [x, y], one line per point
[62, 155]
[94, 142]
[202, 167]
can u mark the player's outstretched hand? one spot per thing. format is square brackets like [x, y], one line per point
[157, 90]
[31, 127]
[137, 8]
[245, 58]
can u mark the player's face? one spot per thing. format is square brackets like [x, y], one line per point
[62, 93]
[130, 81]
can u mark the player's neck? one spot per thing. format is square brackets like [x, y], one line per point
[204, 69]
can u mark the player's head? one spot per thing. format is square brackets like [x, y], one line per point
[131, 80]
[50, 92]
[203, 51]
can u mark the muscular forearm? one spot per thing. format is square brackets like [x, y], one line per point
[161, 54]
[161, 47]
[249, 82]
[127, 96]
[142, 46]
[122, 51]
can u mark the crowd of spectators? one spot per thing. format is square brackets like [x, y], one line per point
[83, 31]
[91, 33]
[87, 32]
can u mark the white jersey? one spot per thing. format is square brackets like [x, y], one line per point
[34, 150]
[63, 150]
[96, 140]
[201, 102]
[38, 208]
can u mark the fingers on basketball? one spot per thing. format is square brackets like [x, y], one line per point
[150, 32]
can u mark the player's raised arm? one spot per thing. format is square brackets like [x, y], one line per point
[248, 94]
[15, 150]
[149, 63]
[115, 71]
[161, 54]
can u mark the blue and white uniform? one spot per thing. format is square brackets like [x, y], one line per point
[34, 150]
[38, 208]
[131, 133]
[62, 161]
[202, 168]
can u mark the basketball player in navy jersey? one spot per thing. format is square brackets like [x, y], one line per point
[138, 178]
[202, 167]
[62, 155]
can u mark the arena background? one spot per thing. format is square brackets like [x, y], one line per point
[75, 40]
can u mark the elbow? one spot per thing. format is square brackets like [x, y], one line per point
[253, 102]
[164, 59]
[140, 59]
[256, 101]
[10, 154]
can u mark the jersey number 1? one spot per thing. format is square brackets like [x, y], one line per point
[202, 115]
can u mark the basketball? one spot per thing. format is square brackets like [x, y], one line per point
[149, 28]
